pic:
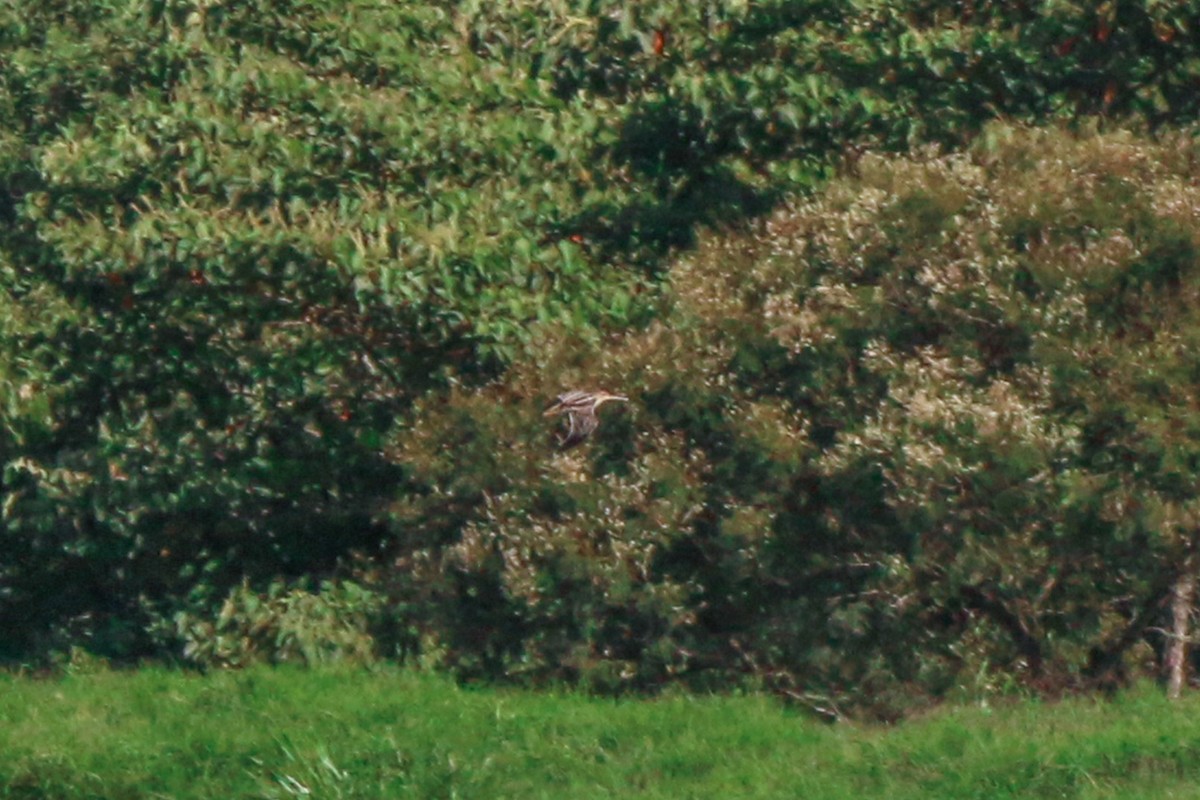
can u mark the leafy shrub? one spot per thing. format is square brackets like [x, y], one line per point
[925, 433]
[285, 625]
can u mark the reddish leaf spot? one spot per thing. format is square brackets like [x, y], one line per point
[660, 41]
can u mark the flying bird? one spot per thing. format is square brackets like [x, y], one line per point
[580, 408]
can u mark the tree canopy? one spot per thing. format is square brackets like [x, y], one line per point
[286, 281]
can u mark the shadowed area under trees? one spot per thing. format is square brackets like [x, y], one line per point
[287, 284]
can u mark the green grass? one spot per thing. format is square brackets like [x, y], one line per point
[337, 734]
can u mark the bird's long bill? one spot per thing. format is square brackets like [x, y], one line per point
[608, 397]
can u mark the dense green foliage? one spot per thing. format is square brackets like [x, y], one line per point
[933, 430]
[285, 733]
[284, 281]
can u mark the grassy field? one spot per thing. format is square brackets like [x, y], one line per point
[326, 734]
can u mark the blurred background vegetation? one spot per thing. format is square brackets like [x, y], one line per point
[902, 294]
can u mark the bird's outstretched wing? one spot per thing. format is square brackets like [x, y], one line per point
[566, 401]
[581, 425]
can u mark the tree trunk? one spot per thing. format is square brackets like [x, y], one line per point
[1175, 663]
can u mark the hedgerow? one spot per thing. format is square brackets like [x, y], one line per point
[253, 249]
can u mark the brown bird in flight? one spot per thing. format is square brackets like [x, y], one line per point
[580, 408]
